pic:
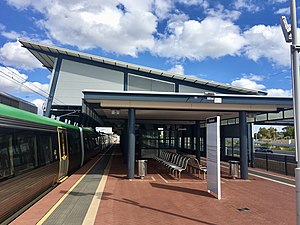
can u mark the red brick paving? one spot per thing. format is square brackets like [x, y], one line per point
[184, 202]
[187, 201]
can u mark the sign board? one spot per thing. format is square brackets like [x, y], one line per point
[213, 155]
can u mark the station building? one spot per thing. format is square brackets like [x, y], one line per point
[153, 109]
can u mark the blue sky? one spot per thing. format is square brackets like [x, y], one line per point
[237, 42]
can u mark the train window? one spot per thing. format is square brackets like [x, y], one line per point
[25, 151]
[74, 143]
[54, 146]
[45, 149]
[6, 162]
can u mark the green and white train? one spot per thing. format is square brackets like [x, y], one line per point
[36, 153]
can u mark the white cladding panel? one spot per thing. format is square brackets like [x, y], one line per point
[75, 77]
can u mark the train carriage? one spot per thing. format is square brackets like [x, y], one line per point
[35, 153]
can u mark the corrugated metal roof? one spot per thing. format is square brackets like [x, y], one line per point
[40, 51]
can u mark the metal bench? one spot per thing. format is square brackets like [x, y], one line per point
[174, 162]
[195, 167]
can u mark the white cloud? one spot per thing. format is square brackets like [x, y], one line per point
[12, 81]
[177, 69]
[283, 11]
[2, 27]
[254, 77]
[127, 29]
[19, 4]
[279, 92]
[250, 82]
[194, 40]
[277, 1]
[248, 5]
[202, 3]
[247, 83]
[10, 35]
[219, 11]
[268, 42]
[130, 27]
[12, 54]
[39, 103]
[162, 8]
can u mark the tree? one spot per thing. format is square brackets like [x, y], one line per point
[273, 132]
[289, 132]
[264, 133]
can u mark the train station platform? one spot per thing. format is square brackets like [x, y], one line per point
[100, 193]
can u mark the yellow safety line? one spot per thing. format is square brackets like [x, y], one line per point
[62, 179]
[162, 178]
[45, 217]
[93, 209]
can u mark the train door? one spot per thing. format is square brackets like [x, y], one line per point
[63, 152]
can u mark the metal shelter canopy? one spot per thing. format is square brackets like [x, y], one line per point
[46, 54]
[179, 107]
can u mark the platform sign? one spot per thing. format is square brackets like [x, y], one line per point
[213, 155]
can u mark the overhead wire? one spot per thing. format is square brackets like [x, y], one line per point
[8, 77]
[23, 84]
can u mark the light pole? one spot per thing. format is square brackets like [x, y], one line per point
[290, 35]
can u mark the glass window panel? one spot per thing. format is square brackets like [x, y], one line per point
[138, 83]
[236, 147]
[201, 144]
[188, 143]
[288, 113]
[275, 116]
[45, 147]
[188, 89]
[223, 122]
[6, 153]
[25, 151]
[231, 121]
[261, 117]
[250, 119]
[228, 146]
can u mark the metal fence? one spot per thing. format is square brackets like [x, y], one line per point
[279, 163]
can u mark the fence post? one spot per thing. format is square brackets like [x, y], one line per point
[285, 165]
[267, 162]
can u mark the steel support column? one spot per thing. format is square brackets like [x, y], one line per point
[183, 132]
[176, 137]
[197, 132]
[125, 143]
[125, 81]
[243, 146]
[131, 143]
[250, 143]
[192, 135]
[53, 86]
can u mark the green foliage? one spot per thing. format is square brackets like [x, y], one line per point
[288, 132]
[264, 133]
[265, 144]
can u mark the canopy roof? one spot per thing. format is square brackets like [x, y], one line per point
[46, 54]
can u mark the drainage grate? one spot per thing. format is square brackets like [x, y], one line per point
[243, 209]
